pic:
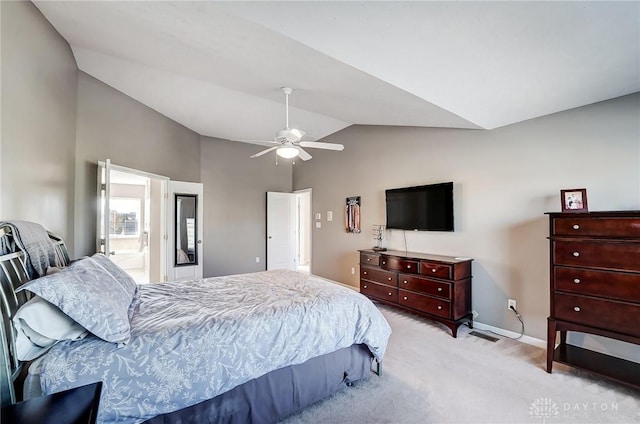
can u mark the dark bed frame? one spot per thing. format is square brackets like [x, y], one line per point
[266, 399]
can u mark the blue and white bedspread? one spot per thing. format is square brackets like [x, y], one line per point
[193, 340]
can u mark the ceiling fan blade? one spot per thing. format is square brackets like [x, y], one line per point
[303, 154]
[264, 152]
[260, 142]
[321, 145]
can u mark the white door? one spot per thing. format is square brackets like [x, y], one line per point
[131, 220]
[184, 230]
[304, 229]
[281, 231]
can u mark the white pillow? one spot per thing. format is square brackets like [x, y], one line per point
[39, 325]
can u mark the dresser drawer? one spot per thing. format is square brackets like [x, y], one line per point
[611, 255]
[379, 291]
[379, 275]
[424, 303]
[424, 285]
[398, 264]
[435, 269]
[616, 285]
[612, 315]
[369, 259]
[623, 227]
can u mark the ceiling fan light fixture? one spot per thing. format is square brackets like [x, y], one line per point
[287, 152]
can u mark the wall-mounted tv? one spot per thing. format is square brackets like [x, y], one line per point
[421, 208]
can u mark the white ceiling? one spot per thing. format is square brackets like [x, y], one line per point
[217, 67]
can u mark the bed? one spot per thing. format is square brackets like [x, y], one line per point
[244, 348]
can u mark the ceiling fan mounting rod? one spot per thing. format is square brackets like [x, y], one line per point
[287, 91]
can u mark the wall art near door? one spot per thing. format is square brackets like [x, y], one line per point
[353, 214]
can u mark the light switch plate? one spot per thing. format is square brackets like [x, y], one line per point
[329, 215]
[318, 224]
[318, 216]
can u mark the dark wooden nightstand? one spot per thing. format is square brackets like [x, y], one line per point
[74, 406]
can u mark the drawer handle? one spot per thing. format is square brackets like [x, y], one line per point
[365, 273]
[390, 294]
[384, 263]
[576, 227]
[433, 270]
[576, 308]
[368, 259]
[406, 282]
[405, 298]
[576, 254]
[439, 307]
[576, 280]
[390, 278]
[365, 286]
[439, 288]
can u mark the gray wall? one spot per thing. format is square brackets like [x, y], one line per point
[235, 189]
[38, 121]
[111, 125]
[504, 181]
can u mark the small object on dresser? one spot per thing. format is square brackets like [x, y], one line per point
[574, 200]
[378, 238]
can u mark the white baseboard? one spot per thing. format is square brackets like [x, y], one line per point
[507, 333]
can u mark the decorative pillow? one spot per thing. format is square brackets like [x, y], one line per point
[91, 296]
[39, 325]
[124, 279]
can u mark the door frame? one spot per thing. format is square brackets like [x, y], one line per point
[309, 222]
[103, 218]
[294, 226]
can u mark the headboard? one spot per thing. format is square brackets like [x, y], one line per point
[13, 274]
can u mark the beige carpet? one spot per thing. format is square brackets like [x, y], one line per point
[430, 377]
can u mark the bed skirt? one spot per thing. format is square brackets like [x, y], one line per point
[280, 393]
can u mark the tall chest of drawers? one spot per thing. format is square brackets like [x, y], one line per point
[595, 288]
[433, 286]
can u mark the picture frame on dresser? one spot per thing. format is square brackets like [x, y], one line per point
[574, 200]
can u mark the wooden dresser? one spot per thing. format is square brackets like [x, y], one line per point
[435, 287]
[595, 288]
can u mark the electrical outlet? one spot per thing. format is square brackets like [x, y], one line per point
[510, 303]
[353, 271]
[257, 259]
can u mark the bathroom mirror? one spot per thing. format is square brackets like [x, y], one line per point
[186, 247]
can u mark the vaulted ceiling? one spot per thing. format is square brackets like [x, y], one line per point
[217, 67]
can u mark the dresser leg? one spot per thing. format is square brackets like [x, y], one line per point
[551, 342]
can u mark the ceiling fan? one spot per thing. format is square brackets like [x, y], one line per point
[288, 142]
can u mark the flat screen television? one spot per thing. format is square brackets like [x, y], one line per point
[421, 208]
